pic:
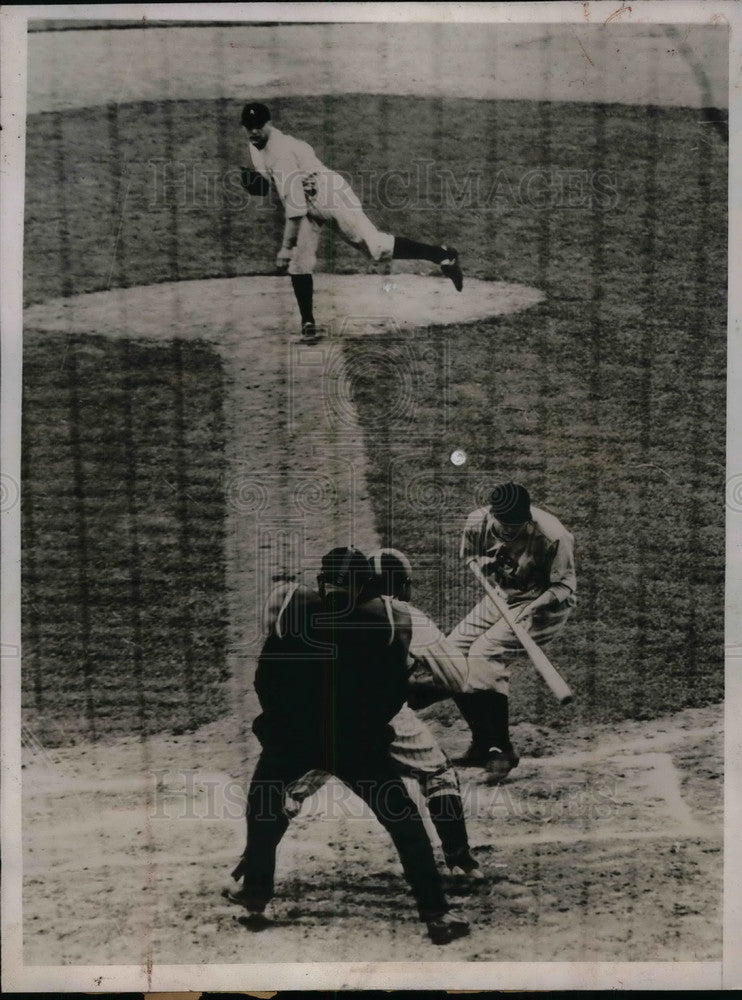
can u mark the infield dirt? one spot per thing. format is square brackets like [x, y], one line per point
[606, 846]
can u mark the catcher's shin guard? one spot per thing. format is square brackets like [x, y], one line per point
[447, 813]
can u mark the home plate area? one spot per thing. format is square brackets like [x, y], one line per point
[620, 827]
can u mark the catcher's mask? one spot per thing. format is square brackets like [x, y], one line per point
[346, 568]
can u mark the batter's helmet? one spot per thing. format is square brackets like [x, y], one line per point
[255, 115]
[392, 571]
[511, 503]
[346, 567]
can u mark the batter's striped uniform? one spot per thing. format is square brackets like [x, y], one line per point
[541, 558]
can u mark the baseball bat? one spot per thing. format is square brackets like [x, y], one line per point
[554, 680]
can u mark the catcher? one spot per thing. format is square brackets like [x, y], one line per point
[437, 670]
[331, 675]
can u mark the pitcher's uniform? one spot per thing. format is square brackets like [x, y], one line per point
[312, 192]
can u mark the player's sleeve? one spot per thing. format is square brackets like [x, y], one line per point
[471, 537]
[288, 176]
[562, 574]
[383, 688]
[430, 648]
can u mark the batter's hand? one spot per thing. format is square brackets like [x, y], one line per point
[283, 258]
[525, 616]
[526, 621]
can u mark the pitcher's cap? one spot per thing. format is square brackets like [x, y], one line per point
[255, 115]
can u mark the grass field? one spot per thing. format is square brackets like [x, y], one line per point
[607, 399]
[123, 535]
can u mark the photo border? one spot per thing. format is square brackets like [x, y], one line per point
[434, 975]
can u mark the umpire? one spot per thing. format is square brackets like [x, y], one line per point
[331, 675]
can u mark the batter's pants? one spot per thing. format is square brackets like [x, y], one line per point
[374, 778]
[485, 637]
[330, 199]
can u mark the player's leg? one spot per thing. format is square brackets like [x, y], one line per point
[301, 270]
[338, 201]
[418, 756]
[475, 708]
[266, 824]
[446, 809]
[482, 617]
[375, 780]
[487, 671]
[548, 622]
[298, 791]
[487, 708]
[446, 257]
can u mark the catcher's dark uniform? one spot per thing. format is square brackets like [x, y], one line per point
[330, 677]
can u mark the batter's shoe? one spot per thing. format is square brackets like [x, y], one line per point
[500, 763]
[309, 334]
[451, 269]
[447, 927]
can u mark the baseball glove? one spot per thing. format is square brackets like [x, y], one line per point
[253, 182]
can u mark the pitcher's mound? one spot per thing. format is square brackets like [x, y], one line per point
[251, 307]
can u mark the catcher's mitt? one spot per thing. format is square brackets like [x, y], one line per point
[253, 182]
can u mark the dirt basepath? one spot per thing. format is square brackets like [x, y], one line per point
[607, 850]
